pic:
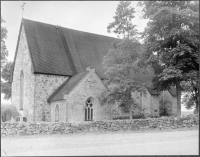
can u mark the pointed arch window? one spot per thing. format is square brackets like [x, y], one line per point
[57, 113]
[21, 103]
[89, 109]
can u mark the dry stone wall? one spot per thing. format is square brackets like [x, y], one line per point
[28, 128]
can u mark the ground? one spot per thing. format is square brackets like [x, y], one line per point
[171, 142]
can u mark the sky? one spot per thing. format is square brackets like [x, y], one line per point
[88, 16]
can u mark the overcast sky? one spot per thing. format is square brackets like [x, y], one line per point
[89, 16]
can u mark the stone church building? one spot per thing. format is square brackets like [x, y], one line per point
[57, 75]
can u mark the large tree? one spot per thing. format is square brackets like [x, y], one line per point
[172, 43]
[124, 75]
[122, 70]
[4, 51]
[6, 67]
[122, 24]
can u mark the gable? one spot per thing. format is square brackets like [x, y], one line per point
[66, 87]
[86, 77]
[61, 51]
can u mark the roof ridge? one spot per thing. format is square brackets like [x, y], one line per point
[71, 29]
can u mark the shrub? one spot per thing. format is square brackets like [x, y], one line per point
[8, 111]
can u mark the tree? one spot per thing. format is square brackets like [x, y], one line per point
[122, 24]
[172, 43]
[8, 111]
[123, 74]
[6, 67]
[4, 52]
[7, 77]
[189, 100]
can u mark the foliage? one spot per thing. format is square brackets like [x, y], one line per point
[122, 24]
[7, 77]
[124, 75]
[4, 52]
[6, 67]
[172, 42]
[9, 110]
[189, 100]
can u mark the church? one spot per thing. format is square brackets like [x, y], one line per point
[58, 76]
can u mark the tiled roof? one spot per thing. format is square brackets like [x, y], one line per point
[152, 91]
[62, 51]
[67, 86]
[172, 91]
[47, 50]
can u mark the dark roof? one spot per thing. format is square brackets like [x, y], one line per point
[67, 86]
[47, 49]
[172, 91]
[61, 51]
[152, 91]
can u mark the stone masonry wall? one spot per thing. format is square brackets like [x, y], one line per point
[23, 63]
[167, 98]
[154, 108]
[146, 101]
[45, 85]
[28, 128]
[62, 110]
[174, 105]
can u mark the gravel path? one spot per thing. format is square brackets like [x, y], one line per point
[176, 142]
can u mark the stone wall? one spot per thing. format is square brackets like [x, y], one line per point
[146, 101]
[154, 107]
[98, 126]
[62, 110]
[168, 101]
[174, 105]
[23, 64]
[45, 85]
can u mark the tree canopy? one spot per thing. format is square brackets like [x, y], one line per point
[124, 74]
[122, 24]
[4, 51]
[6, 66]
[172, 42]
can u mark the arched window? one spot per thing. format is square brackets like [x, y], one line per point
[89, 110]
[21, 103]
[57, 113]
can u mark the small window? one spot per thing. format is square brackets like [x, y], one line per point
[57, 113]
[89, 110]
[155, 110]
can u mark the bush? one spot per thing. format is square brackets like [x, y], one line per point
[8, 111]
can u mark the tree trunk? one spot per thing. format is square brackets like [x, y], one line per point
[197, 105]
[178, 90]
[130, 112]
